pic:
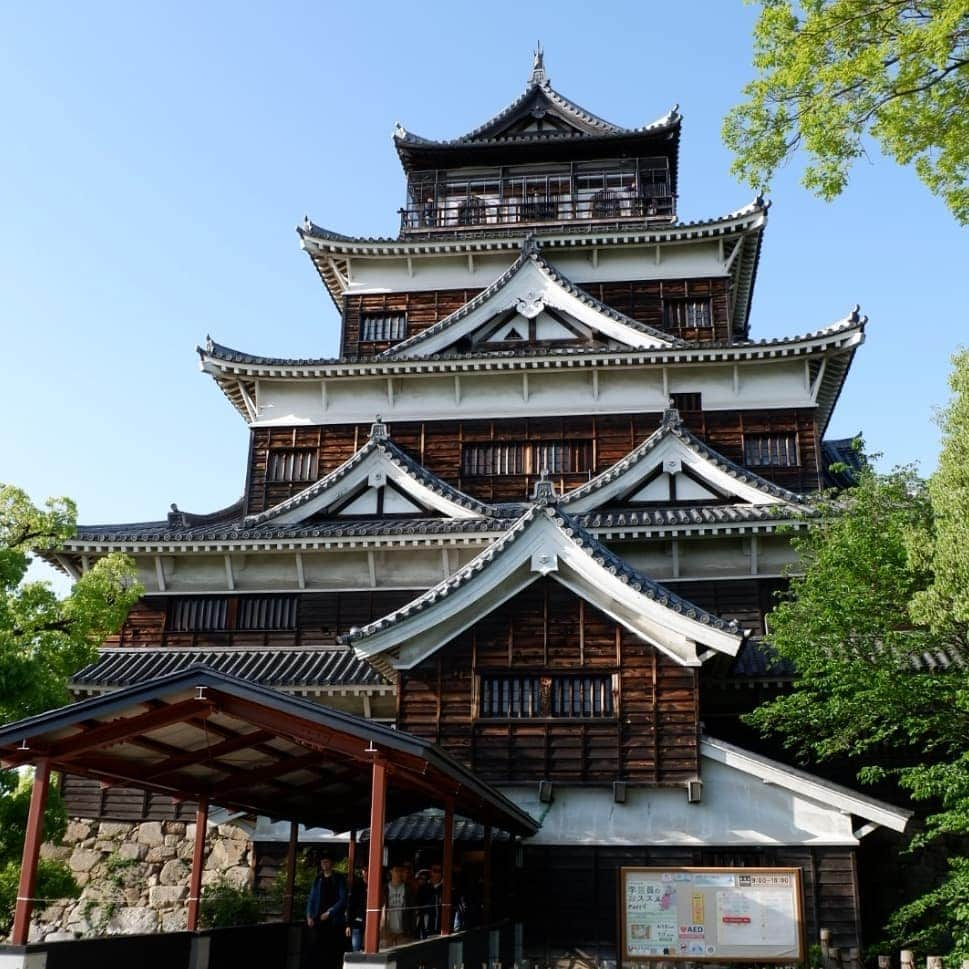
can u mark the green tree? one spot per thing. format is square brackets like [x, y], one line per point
[876, 629]
[833, 73]
[43, 640]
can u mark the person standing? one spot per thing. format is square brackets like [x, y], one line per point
[357, 910]
[325, 911]
[399, 920]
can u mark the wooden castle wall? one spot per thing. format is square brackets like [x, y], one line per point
[643, 300]
[548, 630]
[438, 446]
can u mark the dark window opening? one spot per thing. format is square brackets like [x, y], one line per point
[375, 329]
[199, 614]
[556, 457]
[689, 313]
[770, 450]
[551, 696]
[267, 612]
[291, 464]
[687, 403]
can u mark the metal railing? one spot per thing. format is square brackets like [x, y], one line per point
[474, 212]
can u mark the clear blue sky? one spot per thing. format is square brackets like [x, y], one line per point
[158, 157]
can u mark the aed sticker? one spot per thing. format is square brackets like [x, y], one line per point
[691, 931]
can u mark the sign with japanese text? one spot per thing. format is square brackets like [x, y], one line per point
[712, 914]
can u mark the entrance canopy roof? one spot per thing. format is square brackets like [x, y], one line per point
[199, 733]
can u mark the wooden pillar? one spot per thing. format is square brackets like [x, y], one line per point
[375, 879]
[290, 871]
[198, 857]
[28, 864]
[447, 863]
[486, 887]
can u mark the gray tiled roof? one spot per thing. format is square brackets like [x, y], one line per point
[530, 251]
[279, 667]
[585, 540]
[672, 425]
[429, 826]
[378, 441]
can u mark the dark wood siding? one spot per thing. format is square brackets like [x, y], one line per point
[567, 895]
[437, 445]
[643, 300]
[548, 630]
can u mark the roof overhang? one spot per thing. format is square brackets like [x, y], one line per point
[249, 748]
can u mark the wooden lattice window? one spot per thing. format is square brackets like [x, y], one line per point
[198, 614]
[384, 328]
[556, 457]
[471, 211]
[770, 450]
[605, 204]
[557, 695]
[267, 612]
[687, 403]
[689, 313]
[291, 464]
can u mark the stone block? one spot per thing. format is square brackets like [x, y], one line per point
[160, 853]
[163, 896]
[175, 920]
[57, 852]
[176, 828]
[133, 921]
[150, 833]
[239, 877]
[173, 873]
[84, 859]
[76, 831]
[132, 851]
[114, 829]
[226, 854]
[233, 831]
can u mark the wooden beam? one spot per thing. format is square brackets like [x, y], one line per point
[286, 765]
[31, 853]
[375, 879]
[300, 573]
[229, 746]
[160, 574]
[198, 857]
[230, 580]
[290, 871]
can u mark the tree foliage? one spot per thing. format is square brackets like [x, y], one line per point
[876, 629]
[833, 73]
[43, 640]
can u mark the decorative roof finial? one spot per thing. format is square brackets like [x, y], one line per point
[544, 493]
[379, 431]
[671, 416]
[538, 75]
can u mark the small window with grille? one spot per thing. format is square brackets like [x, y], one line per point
[547, 696]
[770, 450]
[266, 612]
[383, 328]
[686, 314]
[291, 464]
[556, 457]
[198, 614]
[687, 403]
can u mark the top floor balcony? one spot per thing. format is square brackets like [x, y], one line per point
[617, 194]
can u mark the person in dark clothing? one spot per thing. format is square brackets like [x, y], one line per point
[325, 912]
[357, 910]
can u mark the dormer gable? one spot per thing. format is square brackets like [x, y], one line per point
[380, 480]
[544, 542]
[531, 306]
[673, 466]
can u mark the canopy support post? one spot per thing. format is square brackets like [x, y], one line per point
[351, 859]
[488, 846]
[198, 855]
[447, 862]
[290, 871]
[375, 881]
[28, 864]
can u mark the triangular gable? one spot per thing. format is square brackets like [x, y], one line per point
[673, 465]
[544, 542]
[542, 306]
[380, 479]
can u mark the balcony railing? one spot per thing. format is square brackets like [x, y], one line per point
[474, 212]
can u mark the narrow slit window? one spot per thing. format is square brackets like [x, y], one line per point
[291, 464]
[556, 696]
[770, 451]
[198, 614]
[384, 328]
[689, 314]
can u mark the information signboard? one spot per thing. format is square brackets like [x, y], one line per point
[711, 914]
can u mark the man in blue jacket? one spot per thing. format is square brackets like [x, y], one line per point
[325, 909]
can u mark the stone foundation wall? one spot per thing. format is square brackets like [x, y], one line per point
[134, 877]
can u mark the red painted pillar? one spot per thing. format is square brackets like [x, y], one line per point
[290, 871]
[486, 887]
[198, 856]
[375, 875]
[447, 863]
[351, 860]
[28, 864]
